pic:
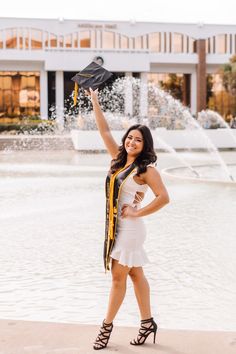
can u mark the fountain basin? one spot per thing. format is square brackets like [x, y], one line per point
[209, 173]
[35, 142]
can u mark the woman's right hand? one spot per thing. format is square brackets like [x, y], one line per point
[93, 95]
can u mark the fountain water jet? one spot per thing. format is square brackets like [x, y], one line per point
[189, 122]
[208, 116]
[170, 149]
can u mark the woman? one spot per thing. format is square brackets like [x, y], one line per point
[132, 171]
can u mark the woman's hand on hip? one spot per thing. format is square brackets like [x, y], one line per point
[128, 211]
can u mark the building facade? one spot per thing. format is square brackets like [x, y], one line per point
[38, 57]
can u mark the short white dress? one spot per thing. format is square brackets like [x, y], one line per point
[131, 232]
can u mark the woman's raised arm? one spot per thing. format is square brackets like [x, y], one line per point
[102, 125]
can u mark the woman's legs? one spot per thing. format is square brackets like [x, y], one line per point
[117, 294]
[118, 289]
[142, 291]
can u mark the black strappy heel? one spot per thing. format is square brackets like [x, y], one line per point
[103, 336]
[144, 332]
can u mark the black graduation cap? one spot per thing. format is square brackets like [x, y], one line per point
[94, 76]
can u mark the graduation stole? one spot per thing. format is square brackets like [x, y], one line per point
[114, 184]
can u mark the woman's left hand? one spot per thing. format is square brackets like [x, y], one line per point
[128, 211]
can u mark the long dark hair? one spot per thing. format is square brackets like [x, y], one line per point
[146, 156]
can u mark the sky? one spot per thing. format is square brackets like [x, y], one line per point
[187, 11]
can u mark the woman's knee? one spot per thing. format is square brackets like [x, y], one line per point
[119, 275]
[119, 281]
[136, 274]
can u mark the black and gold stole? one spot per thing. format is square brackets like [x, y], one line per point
[114, 184]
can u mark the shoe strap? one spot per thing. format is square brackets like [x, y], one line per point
[107, 326]
[147, 320]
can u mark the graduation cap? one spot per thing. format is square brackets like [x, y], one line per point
[94, 76]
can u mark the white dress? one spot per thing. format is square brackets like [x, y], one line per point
[131, 231]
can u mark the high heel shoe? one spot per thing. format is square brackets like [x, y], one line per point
[145, 330]
[103, 336]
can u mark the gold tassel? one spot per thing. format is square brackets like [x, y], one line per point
[76, 90]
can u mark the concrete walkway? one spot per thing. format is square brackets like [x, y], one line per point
[26, 337]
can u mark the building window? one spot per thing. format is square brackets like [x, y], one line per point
[138, 42]
[61, 41]
[97, 39]
[154, 41]
[21, 38]
[85, 39]
[191, 45]
[26, 38]
[177, 44]
[11, 38]
[108, 40]
[53, 40]
[131, 43]
[145, 41]
[75, 40]
[46, 39]
[68, 41]
[36, 39]
[124, 42]
[19, 94]
[93, 39]
[117, 40]
[221, 44]
[1, 39]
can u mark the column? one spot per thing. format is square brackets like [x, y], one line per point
[128, 95]
[30, 37]
[60, 98]
[193, 95]
[43, 40]
[186, 89]
[4, 39]
[143, 95]
[24, 31]
[233, 44]
[162, 42]
[184, 43]
[17, 39]
[167, 42]
[201, 75]
[228, 46]
[43, 94]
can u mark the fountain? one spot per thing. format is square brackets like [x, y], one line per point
[172, 125]
[171, 118]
